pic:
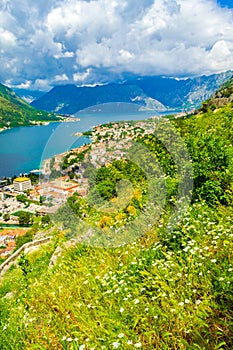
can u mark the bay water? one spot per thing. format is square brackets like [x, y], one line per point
[22, 149]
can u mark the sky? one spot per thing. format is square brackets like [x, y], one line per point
[45, 43]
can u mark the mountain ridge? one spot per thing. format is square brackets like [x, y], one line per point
[166, 93]
[14, 111]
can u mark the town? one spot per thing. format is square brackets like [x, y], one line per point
[32, 198]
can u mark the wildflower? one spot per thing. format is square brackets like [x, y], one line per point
[198, 302]
[122, 310]
[82, 347]
[138, 345]
[120, 335]
[136, 301]
[115, 344]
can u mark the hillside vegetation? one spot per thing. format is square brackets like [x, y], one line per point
[166, 290]
[223, 96]
[16, 112]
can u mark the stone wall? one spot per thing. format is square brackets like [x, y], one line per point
[27, 247]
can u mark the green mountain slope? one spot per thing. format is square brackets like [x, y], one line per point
[16, 112]
[222, 97]
[166, 290]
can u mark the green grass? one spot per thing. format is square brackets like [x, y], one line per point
[161, 292]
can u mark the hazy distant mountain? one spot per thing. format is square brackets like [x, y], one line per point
[16, 112]
[181, 93]
[69, 99]
[157, 93]
[28, 95]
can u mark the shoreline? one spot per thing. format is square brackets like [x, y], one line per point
[77, 134]
[43, 123]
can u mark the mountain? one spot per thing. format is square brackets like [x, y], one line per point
[224, 94]
[181, 93]
[69, 99]
[28, 95]
[16, 112]
[156, 93]
[222, 97]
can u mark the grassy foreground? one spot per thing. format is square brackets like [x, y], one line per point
[163, 291]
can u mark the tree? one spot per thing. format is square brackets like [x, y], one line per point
[71, 175]
[21, 240]
[45, 220]
[42, 199]
[21, 198]
[6, 217]
[24, 218]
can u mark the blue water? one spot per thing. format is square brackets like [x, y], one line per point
[22, 149]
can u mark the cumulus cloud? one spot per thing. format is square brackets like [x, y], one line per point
[89, 41]
[62, 77]
[81, 77]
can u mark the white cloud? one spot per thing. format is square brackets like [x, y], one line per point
[7, 39]
[62, 77]
[42, 84]
[80, 77]
[96, 40]
[25, 85]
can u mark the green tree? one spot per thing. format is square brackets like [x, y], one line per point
[21, 240]
[21, 198]
[42, 199]
[24, 218]
[45, 220]
[6, 217]
[71, 175]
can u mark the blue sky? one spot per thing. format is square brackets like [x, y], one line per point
[227, 3]
[44, 43]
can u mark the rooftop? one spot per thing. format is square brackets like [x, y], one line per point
[21, 179]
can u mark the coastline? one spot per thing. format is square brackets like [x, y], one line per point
[4, 129]
[100, 121]
[60, 119]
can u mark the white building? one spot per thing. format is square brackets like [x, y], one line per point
[22, 184]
